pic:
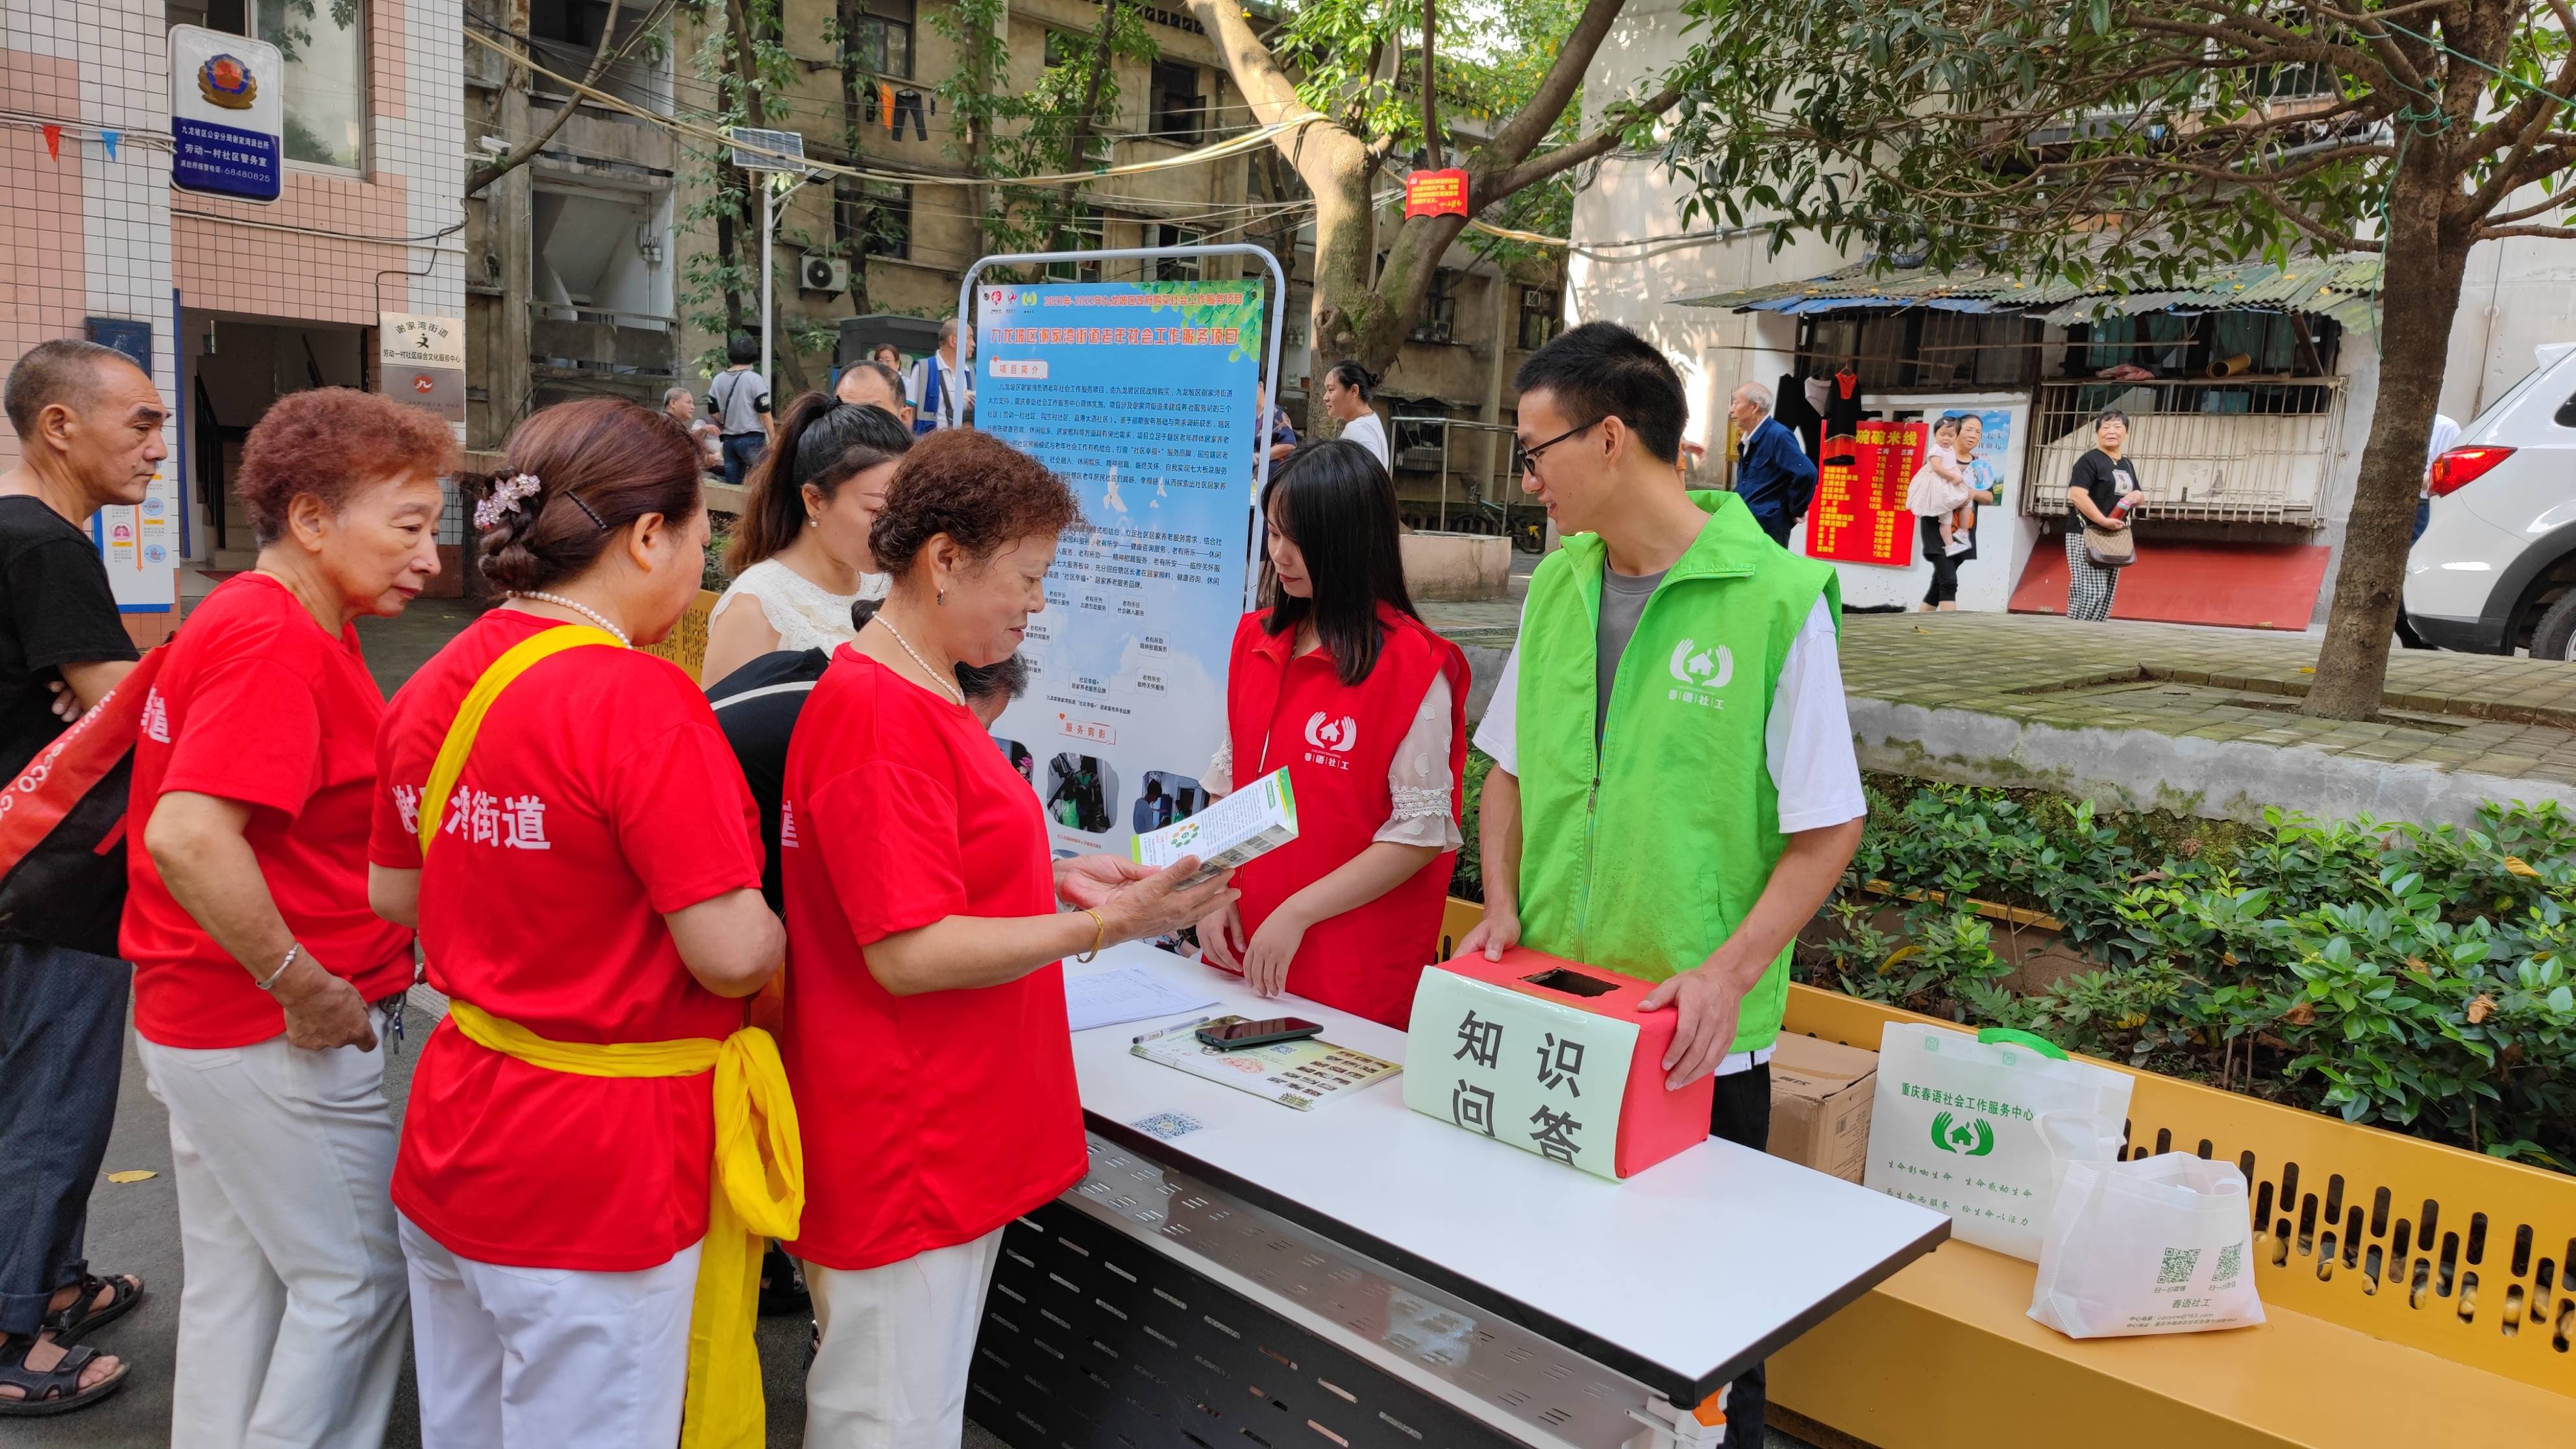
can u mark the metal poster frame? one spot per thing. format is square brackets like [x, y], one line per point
[950, 403]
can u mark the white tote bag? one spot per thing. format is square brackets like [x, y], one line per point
[2156, 1245]
[1980, 1127]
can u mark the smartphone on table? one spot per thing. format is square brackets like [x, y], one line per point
[1232, 1034]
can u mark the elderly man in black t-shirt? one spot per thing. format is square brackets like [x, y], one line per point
[89, 436]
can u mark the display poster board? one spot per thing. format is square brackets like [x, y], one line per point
[1859, 515]
[421, 360]
[1142, 396]
[227, 113]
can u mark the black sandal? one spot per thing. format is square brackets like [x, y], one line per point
[70, 1324]
[782, 1285]
[55, 1390]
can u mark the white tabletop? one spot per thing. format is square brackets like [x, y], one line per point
[1679, 1277]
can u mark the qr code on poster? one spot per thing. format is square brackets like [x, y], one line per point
[2176, 1272]
[1168, 1125]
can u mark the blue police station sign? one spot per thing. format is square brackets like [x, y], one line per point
[227, 116]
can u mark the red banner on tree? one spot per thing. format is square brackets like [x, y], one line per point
[1859, 515]
[1436, 193]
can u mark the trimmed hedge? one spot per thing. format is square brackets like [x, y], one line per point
[2421, 978]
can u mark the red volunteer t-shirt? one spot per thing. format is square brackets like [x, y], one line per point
[257, 704]
[599, 796]
[929, 1120]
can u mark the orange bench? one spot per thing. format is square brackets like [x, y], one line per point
[2416, 1294]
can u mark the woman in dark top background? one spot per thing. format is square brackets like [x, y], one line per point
[2093, 490]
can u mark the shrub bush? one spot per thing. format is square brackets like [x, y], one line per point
[2422, 978]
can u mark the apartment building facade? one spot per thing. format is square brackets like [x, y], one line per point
[232, 301]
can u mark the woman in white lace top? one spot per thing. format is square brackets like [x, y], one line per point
[800, 551]
[1337, 681]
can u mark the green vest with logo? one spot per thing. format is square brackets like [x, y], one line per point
[1643, 855]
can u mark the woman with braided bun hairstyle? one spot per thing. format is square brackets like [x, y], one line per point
[800, 555]
[560, 815]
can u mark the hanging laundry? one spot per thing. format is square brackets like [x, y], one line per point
[909, 101]
[1842, 414]
[1789, 404]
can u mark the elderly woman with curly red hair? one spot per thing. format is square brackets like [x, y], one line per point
[256, 960]
[926, 1036]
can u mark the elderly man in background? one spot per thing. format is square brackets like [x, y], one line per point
[872, 384]
[1773, 475]
[682, 405]
[89, 436]
[940, 383]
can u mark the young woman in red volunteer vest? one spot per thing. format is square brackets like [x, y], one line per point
[256, 961]
[594, 879]
[926, 1037]
[1338, 681]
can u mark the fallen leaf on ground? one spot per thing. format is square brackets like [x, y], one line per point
[131, 1174]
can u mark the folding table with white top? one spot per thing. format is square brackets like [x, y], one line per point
[1359, 1274]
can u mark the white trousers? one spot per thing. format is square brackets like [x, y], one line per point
[547, 1358]
[897, 1342]
[291, 1320]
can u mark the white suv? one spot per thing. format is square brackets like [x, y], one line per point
[2496, 567]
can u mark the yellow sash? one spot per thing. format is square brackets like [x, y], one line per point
[758, 1183]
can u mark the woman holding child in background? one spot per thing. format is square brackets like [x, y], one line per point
[1337, 679]
[1943, 496]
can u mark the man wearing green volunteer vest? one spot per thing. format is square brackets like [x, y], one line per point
[1674, 790]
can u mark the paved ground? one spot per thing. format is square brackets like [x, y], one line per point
[2475, 713]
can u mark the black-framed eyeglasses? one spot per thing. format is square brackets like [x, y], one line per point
[1525, 460]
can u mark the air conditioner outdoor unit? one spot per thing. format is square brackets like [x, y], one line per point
[819, 273]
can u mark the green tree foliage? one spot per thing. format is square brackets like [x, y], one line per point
[1370, 89]
[1054, 127]
[2139, 140]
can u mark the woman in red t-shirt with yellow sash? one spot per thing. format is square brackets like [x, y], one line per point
[563, 818]
[926, 1029]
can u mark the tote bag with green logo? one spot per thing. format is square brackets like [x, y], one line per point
[1981, 1127]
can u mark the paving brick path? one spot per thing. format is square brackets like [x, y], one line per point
[2510, 718]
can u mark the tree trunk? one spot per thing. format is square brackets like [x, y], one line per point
[2416, 312]
[1344, 309]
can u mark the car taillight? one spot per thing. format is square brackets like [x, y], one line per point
[2460, 467]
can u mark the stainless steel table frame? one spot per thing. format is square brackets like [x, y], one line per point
[1356, 1276]
[1147, 1308]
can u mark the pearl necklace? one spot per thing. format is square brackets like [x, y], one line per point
[951, 690]
[587, 612]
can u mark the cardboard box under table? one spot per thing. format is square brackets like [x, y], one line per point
[1820, 1096]
[1362, 1275]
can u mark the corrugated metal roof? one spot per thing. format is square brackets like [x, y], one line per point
[2344, 288]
